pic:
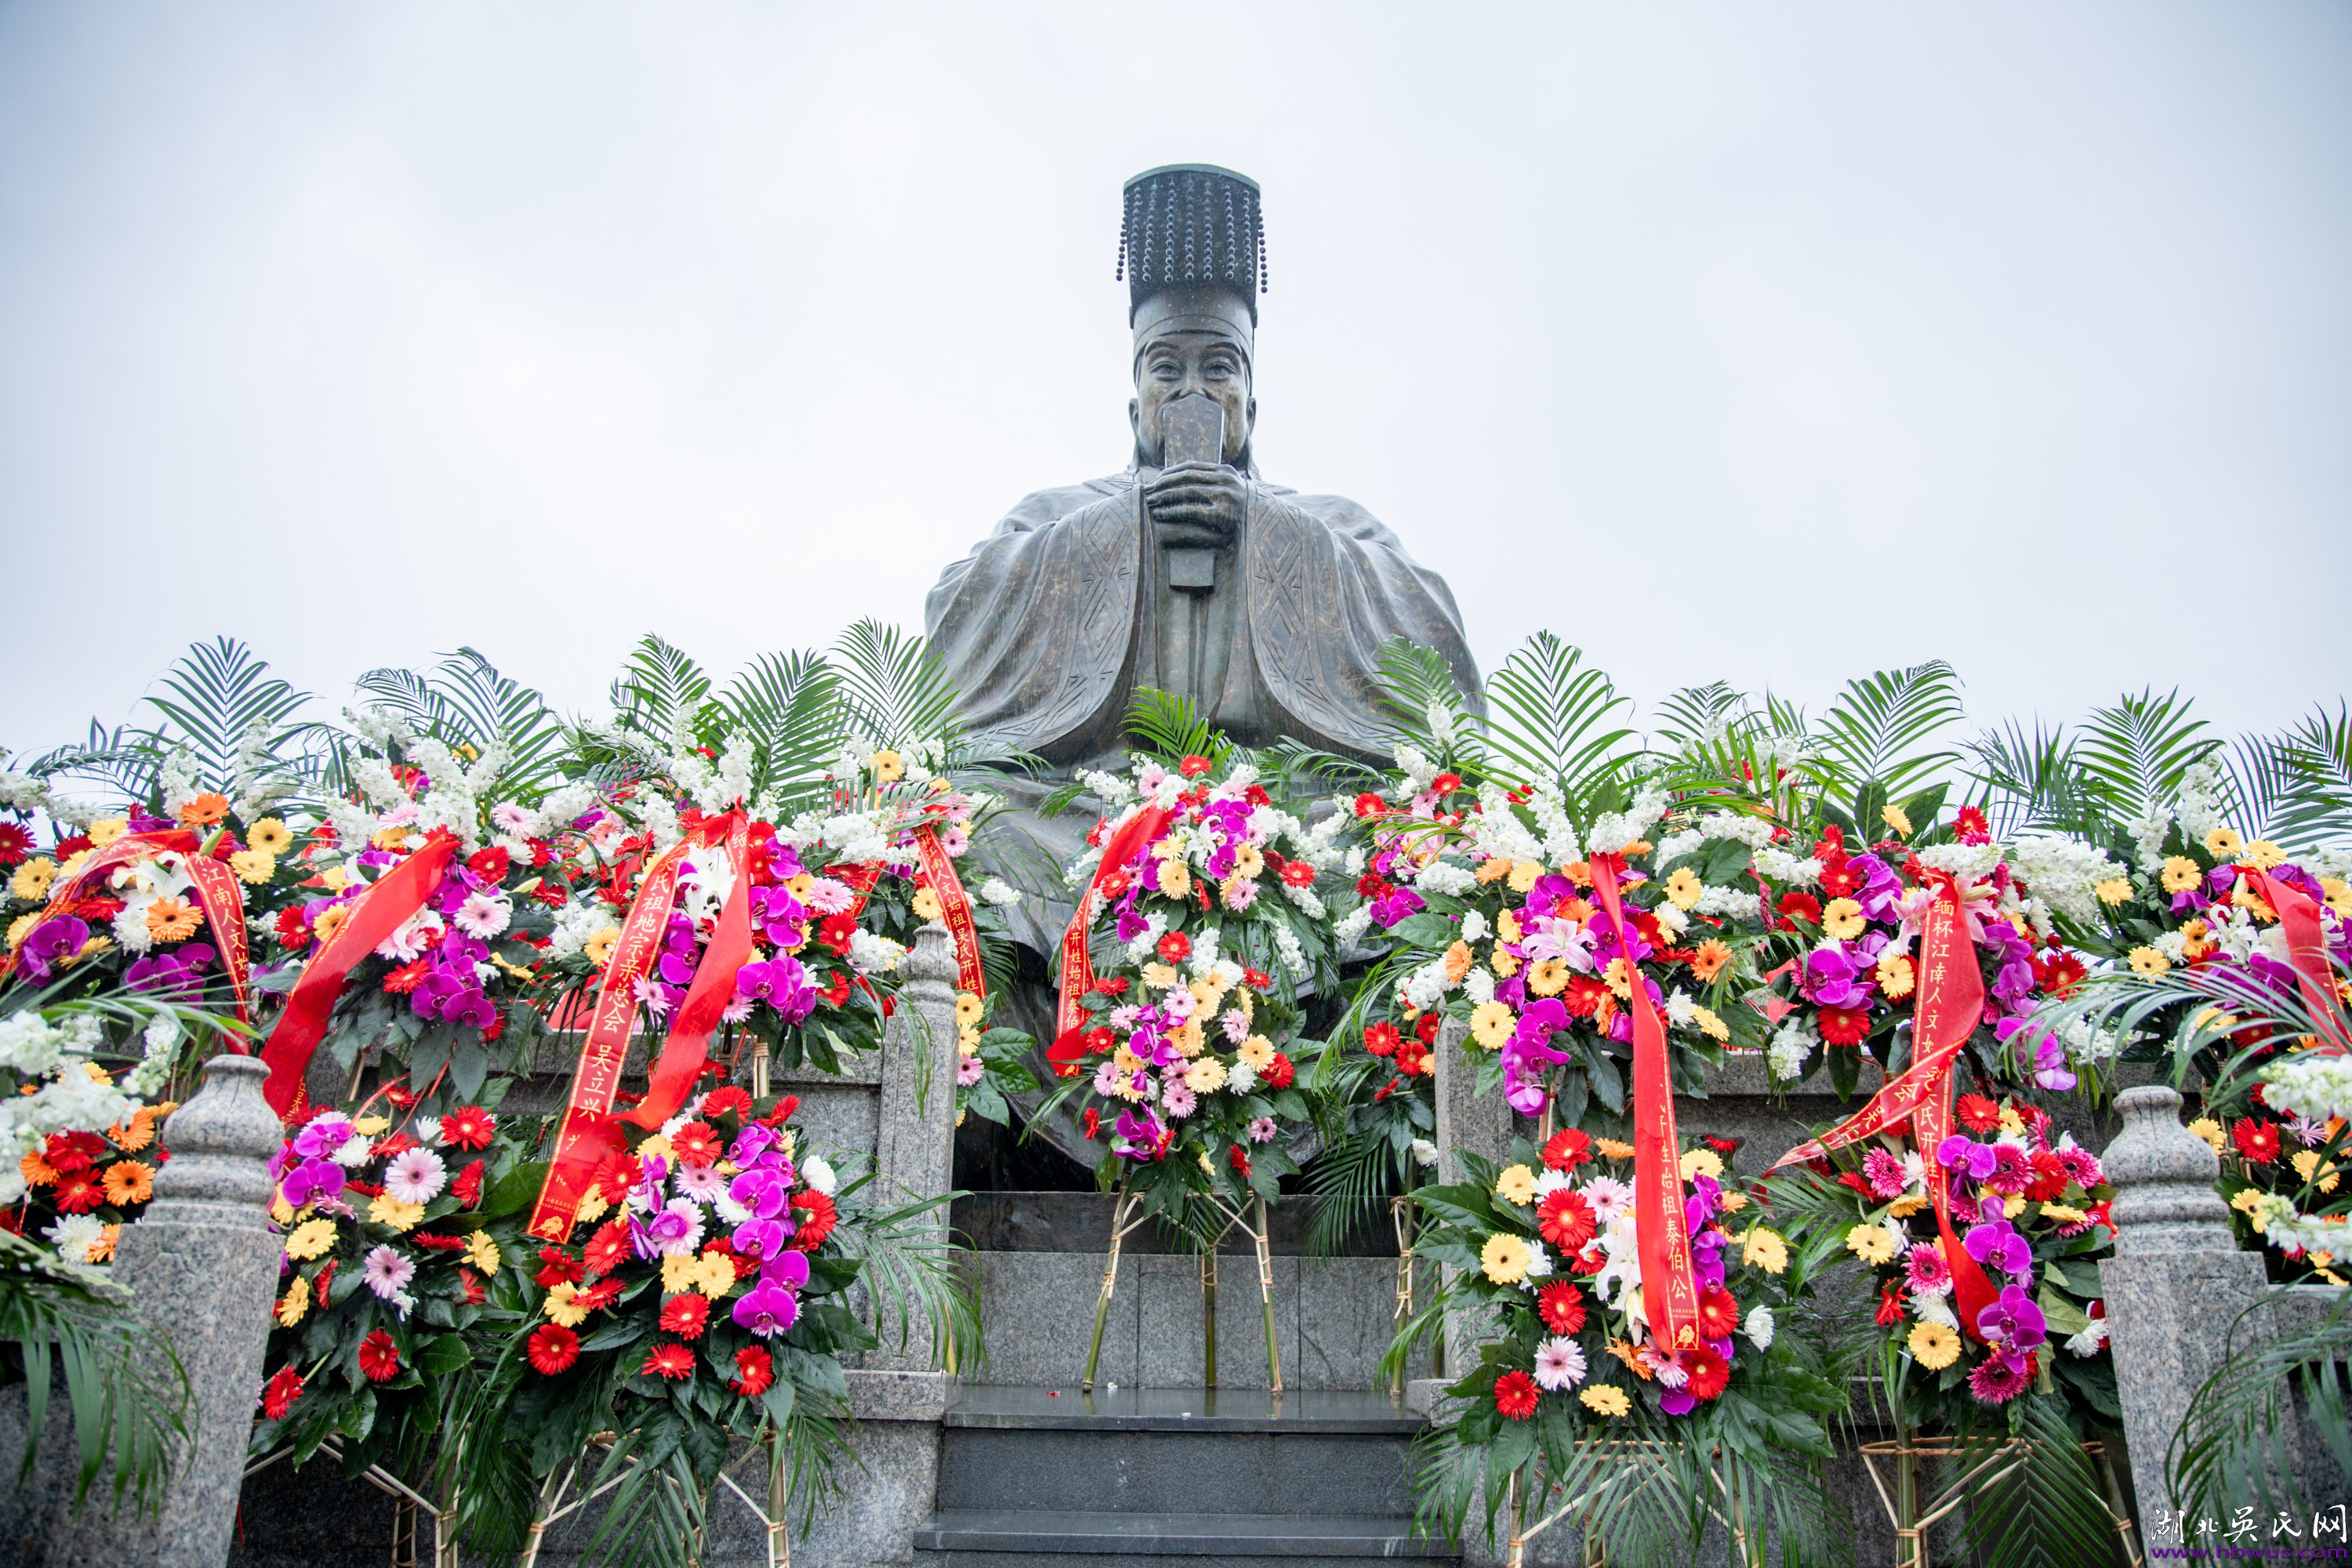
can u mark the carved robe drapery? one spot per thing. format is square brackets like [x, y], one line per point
[1055, 620]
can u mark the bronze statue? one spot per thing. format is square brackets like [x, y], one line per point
[1195, 576]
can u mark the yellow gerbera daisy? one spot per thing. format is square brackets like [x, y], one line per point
[1516, 1185]
[269, 835]
[1842, 918]
[1505, 1258]
[2148, 961]
[1685, 888]
[1491, 1023]
[1933, 1346]
[1871, 1244]
[2223, 844]
[1605, 1399]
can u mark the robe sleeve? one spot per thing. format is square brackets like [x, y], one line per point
[1034, 625]
[1328, 587]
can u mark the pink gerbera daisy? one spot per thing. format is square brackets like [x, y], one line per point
[1998, 1379]
[1930, 1275]
[1884, 1173]
[416, 1176]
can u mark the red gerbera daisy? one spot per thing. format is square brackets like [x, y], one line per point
[696, 1145]
[597, 1297]
[468, 1127]
[73, 1151]
[407, 977]
[1175, 947]
[1970, 827]
[755, 1371]
[468, 1185]
[279, 1394]
[1298, 873]
[15, 844]
[1414, 1060]
[1562, 1306]
[606, 1249]
[727, 1101]
[1368, 804]
[816, 1213]
[1977, 1114]
[1565, 1221]
[834, 991]
[685, 1316]
[1802, 906]
[557, 1267]
[1566, 1148]
[1446, 783]
[835, 931]
[77, 1193]
[2050, 1178]
[1426, 1026]
[1844, 1026]
[1515, 1395]
[1584, 995]
[379, 1357]
[1382, 1039]
[1890, 1303]
[1710, 1374]
[781, 1112]
[1280, 1073]
[1094, 1122]
[491, 865]
[293, 929]
[471, 1283]
[1193, 767]
[1256, 979]
[673, 1362]
[2257, 1141]
[1238, 1158]
[1718, 1313]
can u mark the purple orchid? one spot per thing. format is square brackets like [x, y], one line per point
[762, 1191]
[50, 944]
[1835, 978]
[767, 1309]
[1997, 1245]
[2013, 1322]
[1965, 1156]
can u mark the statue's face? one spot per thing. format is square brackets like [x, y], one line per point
[1184, 362]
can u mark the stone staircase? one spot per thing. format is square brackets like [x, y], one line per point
[1136, 1478]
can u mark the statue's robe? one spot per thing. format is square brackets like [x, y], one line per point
[1055, 620]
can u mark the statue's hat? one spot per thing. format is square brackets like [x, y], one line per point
[1191, 247]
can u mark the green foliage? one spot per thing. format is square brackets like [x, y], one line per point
[1171, 727]
[466, 702]
[2136, 751]
[125, 1390]
[1552, 718]
[2244, 1440]
[1878, 731]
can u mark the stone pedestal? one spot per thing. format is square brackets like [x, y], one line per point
[203, 1266]
[2176, 1283]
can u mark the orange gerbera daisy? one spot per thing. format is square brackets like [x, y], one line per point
[205, 810]
[1709, 959]
[173, 920]
[37, 1171]
[135, 1133]
[129, 1182]
[102, 1249]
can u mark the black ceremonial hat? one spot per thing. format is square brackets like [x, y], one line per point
[1192, 224]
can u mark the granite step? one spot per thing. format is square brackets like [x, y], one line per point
[999, 1539]
[1225, 1478]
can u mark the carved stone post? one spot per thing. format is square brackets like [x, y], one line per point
[1468, 1122]
[203, 1266]
[2176, 1283]
[914, 1152]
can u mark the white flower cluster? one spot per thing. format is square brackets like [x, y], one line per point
[1560, 846]
[1786, 870]
[23, 791]
[2147, 831]
[575, 922]
[1969, 863]
[70, 1093]
[257, 786]
[1285, 946]
[1752, 831]
[1729, 903]
[714, 789]
[870, 954]
[1351, 924]
[1787, 1052]
[177, 779]
[999, 892]
[1614, 830]
[1445, 878]
[1112, 790]
[1310, 903]
[2200, 801]
[2310, 1085]
[1426, 987]
[1418, 771]
[1139, 950]
[2063, 872]
[1496, 830]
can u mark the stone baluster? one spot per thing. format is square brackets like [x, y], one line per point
[2176, 1283]
[1467, 1122]
[914, 1153]
[202, 1264]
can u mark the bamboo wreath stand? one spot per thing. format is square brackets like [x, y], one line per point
[406, 1502]
[556, 1500]
[1909, 1501]
[1586, 1505]
[1126, 1216]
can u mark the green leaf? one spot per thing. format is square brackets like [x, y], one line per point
[518, 1189]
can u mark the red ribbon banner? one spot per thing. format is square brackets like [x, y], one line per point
[590, 1133]
[1661, 1229]
[2306, 946]
[1078, 963]
[955, 907]
[215, 887]
[367, 919]
[1949, 1006]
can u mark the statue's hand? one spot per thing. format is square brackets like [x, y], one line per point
[1197, 504]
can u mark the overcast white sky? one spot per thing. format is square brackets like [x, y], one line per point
[1771, 343]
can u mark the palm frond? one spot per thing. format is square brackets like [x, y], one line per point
[234, 720]
[790, 706]
[657, 690]
[1879, 730]
[1424, 706]
[1171, 727]
[2138, 750]
[895, 689]
[1698, 715]
[2035, 781]
[2317, 808]
[2051, 1509]
[1547, 710]
[2239, 1443]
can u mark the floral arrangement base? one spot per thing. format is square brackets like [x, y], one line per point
[1994, 1462]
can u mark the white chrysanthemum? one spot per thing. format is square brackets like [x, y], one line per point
[818, 1174]
[1783, 869]
[1474, 926]
[1936, 1308]
[129, 927]
[2090, 1339]
[1496, 830]
[1424, 1153]
[1445, 879]
[1759, 1326]
[1426, 987]
[999, 892]
[75, 1235]
[1479, 986]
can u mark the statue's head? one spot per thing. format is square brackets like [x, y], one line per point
[1193, 251]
